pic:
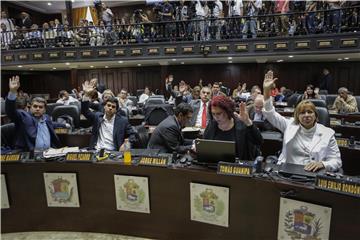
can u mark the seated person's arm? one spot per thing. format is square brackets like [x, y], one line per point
[171, 137]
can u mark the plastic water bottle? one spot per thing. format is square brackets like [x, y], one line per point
[127, 153]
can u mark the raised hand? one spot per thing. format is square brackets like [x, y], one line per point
[14, 84]
[269, 80]
[87, 87]
[243, 114]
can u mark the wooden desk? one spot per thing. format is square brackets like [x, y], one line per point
[347, 131]
[81, 140]
[136, 120]
[254, 203]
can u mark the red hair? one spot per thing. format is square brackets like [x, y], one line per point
[224, 103]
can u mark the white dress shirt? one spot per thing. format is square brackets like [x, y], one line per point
[105, 138]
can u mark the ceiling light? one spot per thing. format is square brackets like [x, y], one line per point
[92, 66]
[49, 3]
[19, 66]
[229, 58]
[106, 66]
[54, 68]
[139, 64]
[230, 61]
[280, 60]
[31, 69]
[339, 59]
[120, 61]
[67, 64]
[173, 59]
[291, 56]
[182, 63]
[346, 58]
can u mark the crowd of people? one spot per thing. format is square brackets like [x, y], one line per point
[187, 21]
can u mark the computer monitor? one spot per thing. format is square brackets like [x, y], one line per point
[210, 152]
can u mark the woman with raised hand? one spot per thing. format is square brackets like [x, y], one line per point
[305, 142]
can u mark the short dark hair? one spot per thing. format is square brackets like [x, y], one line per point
[39, 99]
[62, 93]
[183, 108]
[112, 100]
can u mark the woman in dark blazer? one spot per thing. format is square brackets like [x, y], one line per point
[226, 125]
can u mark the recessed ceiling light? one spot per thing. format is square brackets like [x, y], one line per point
[120, 61]
[173, 59]
[54, 68]
[229, 58]
[31, 69]
[291, 56]
[139, 64]
[19, 66]
[280, 60]
[346, 58]
[106, 66]
[230, 61]
[182, 63]
[339, 59]
[67, 64]
[49, 3]
[92, 66]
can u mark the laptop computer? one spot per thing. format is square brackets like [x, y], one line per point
[210, 152]
[297, 171]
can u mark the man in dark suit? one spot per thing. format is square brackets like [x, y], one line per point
[34, 129]
[25, 20]
[326, 81]
[200, 107]
[110, 128]
[168, 136]
[256, 115]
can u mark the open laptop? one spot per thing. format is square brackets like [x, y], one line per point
[210, 152]
[297, 171]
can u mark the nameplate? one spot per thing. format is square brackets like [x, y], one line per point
[302, 44]
[345, 185]
[155, 161]
[206, 48]
[70, 54]
[38, 56]
[103, 53]
[119, 52]
[241, 47]
[54, 55]
[281, 45]
[222, 48]
[62, 130]
[188, 49]
[136, 51]
[324, 43]
[234, 169]
[261, 46]
[79, 157]
[86, 53]
[8, 57]
[153, 51]
[348, 42]
[342, 142]
[23, 57]
[170, 50]
[13, 157]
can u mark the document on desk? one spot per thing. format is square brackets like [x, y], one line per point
[58, 152]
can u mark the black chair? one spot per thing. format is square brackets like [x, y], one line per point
[2, 106]
[157, 96]
[139, 92]
[134, 99]
[323, 116]
[154, 101]
[318, 102]
[292, 100]
[155, 114]
[358, 102]
[143, 136]
[330, 99]
[50, 107]
[77, 104]
[323, 97]
[69, 110]
[8, 133]
[323, 91]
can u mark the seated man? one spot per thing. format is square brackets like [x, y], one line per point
[200, 107]
[345, 103]
[65, 98]
[34, 129]
[168, 136]
[109, 127]
[255, 114]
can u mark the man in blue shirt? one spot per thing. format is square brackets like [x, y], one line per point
[34, 129]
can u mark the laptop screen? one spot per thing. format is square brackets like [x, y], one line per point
[213, 151]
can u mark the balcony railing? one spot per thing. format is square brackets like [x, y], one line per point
[197, 30]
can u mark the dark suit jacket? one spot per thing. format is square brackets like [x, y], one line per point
[195, 104]
[122, 128]
[264, 127]
[26, 127]
[247, 139]
[27, 22]
[168, 137]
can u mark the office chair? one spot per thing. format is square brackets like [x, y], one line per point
[330, 99]
[293, 100]
[323, 116]
[8, 133]
[318, 102]
[154, 101]
[50, 107]
[155, 114]
[142, 136]
[70, 110]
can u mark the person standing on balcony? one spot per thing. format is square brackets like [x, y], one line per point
[252, 10]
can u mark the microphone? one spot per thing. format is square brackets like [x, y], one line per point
[258, 164]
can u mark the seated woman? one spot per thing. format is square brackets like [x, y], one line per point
[305, 141]
[311, 93]
[225, 125]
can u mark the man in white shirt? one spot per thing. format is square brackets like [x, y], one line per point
[145, 96]
[200, 106]
[65, 98]
[7, 21]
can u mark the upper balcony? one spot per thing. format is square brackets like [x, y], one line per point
[320, 33]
